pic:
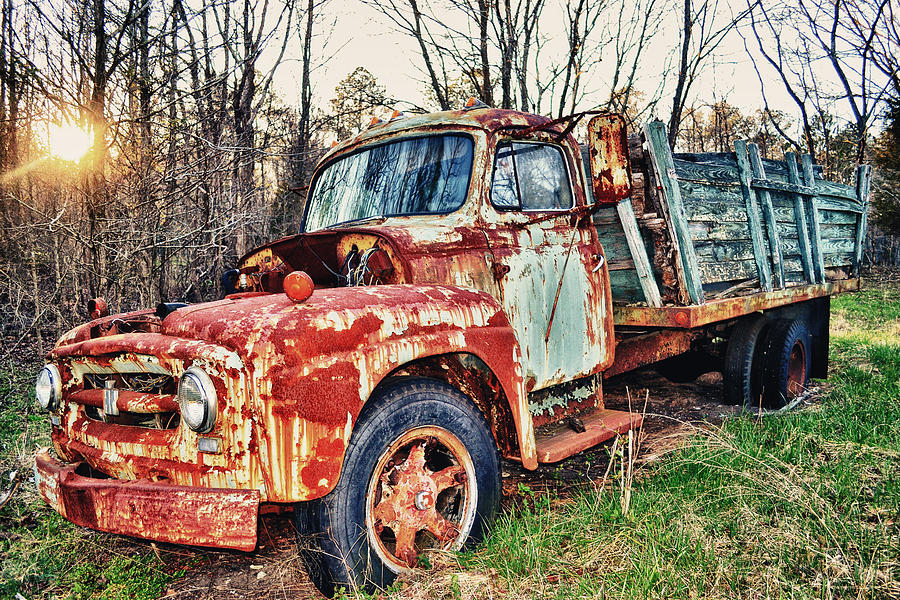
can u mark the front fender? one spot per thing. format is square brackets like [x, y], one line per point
[313, 366]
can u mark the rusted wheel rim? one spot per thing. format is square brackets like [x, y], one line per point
[422, 495]
[796, 370]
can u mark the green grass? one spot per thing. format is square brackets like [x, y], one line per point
[803, 504]
[41, 554]
[869, 308]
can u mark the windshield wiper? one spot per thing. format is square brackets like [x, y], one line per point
[357, 221]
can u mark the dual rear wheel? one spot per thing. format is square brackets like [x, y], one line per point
[767, 362]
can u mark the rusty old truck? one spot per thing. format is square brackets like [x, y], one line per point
[462, 284]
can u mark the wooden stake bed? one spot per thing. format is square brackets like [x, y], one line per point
[708, 237]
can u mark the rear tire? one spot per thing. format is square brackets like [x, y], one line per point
[421, 471]
[742, 362]
[787, 362]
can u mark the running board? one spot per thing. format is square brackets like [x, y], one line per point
[562, 441]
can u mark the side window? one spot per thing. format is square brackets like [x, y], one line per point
[530, 176]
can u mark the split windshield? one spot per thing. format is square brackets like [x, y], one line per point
[424, 175]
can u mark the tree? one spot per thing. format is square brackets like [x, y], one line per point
[704, 28]
[886, 191]
[824, 53]
[355, 99]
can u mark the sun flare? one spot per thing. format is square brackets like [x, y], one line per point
[68, 142]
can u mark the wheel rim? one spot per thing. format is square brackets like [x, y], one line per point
[422, 495]
[796, 370]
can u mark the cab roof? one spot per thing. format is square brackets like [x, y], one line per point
[488, 119]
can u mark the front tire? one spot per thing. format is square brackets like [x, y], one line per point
[421, 471]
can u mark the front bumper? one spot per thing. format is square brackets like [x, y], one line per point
[214, 517]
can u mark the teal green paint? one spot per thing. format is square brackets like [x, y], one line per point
[800, 216]
[812, 214]
[542, 402]
[662, 156]
[769, 216]
[760, 255]
[863, 181]
[639, 253]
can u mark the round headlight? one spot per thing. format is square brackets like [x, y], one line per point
[48, 387]
[197, 399]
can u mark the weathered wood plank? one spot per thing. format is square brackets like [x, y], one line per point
[605, 216]
[625, 287]
[758, 170]
[837, 217]
[716, 212]
[612, 238]
[620, 265]
[732, 230]
[863, 181]
[724, 250]
[836, 190]
[839, 260]
[838, 230]
[639, 253]
[698, 193]
[835, 204]
[829, 246]
[716, 175]
[658, 144]
[779, 186]
[812, 215]
[800, 218]
[714, 272]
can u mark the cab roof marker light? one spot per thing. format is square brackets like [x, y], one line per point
[474, 102]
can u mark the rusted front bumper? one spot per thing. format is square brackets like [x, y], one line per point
[214, 517]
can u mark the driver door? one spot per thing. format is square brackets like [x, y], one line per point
[549, 271]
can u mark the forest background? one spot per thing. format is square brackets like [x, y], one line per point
[146, 145]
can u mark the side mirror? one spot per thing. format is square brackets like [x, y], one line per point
[609, 160]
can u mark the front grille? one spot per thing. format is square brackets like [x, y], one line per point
[149, 383]
[144, 383]
[163, 420]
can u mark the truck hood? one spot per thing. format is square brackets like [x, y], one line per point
[331, 321]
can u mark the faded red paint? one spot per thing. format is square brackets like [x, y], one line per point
[218, 518]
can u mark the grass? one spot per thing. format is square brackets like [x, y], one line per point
[803, 504]
[41, 554]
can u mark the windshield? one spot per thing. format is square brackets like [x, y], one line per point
[412, 176]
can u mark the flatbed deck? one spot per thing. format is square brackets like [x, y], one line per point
[712, 311]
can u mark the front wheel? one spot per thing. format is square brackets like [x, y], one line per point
[421, 472]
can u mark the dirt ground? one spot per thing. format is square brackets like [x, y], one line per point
[274, 570]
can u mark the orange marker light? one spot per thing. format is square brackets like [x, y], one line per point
[298, 286]
[471, 101]
[375, 121]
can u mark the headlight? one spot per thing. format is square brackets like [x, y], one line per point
[48, 387]
[197, 399]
